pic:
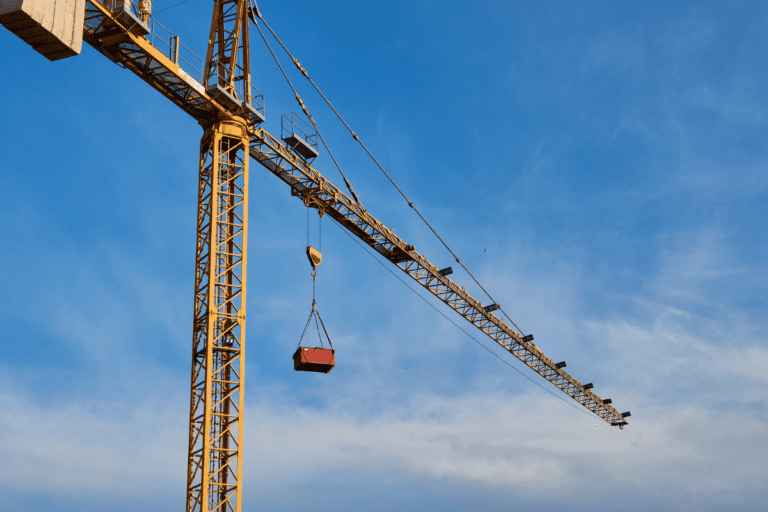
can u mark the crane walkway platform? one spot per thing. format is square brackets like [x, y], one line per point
[160, 59]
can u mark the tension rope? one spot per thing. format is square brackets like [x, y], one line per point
[494, 354]
[314, 312]
[169, 7]
[253, 13]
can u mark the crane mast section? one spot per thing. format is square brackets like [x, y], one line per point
[218, 352]
[317, 192]
[228, 22]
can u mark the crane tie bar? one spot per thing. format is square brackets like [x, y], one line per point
[357, 138]
[255, 9]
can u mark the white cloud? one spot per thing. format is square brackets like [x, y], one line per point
[488, 439]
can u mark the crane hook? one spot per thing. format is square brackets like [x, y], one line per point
[314, 258]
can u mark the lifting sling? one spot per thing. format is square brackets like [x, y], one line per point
[314, 359]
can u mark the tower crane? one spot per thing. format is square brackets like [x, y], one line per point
[219, 94]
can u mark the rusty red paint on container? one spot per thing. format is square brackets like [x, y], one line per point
[314, 359]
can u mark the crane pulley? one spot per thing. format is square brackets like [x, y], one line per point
[314, 258]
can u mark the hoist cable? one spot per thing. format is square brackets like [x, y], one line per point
[306, 112]
[357, 138]
[306, 326]
[317, 327]
[166, 8]
[322, 324]
[457, 325]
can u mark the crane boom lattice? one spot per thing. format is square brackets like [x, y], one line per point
[319, 193]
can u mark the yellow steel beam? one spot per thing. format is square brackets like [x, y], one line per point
[228, 21]
[159, 66]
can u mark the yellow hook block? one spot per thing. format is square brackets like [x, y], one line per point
[314, 257]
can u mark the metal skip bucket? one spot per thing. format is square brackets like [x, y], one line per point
[314, 359]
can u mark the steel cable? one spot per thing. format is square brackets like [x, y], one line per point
[306, 112]
[458, 326]
[169, 7]
[357, 138]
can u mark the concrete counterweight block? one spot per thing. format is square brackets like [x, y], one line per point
[52, 27]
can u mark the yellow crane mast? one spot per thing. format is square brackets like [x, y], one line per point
[218, 94]
[218, 347]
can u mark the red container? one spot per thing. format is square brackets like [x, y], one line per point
[314, 359]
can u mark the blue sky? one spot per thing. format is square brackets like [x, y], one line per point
[609, 156]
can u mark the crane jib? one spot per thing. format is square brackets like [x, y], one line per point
[319, 193]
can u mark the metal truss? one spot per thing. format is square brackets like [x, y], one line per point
[114, 40]
[216, 428]
[228, 24]
[319, 193]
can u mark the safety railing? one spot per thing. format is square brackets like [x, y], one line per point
[232, 89]
[131, 14]
[170, 46]
[293, 126]
[123, 6]
[163, 39]
[256, 100]
[221, 77]
[190, 62]
[299, 136]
